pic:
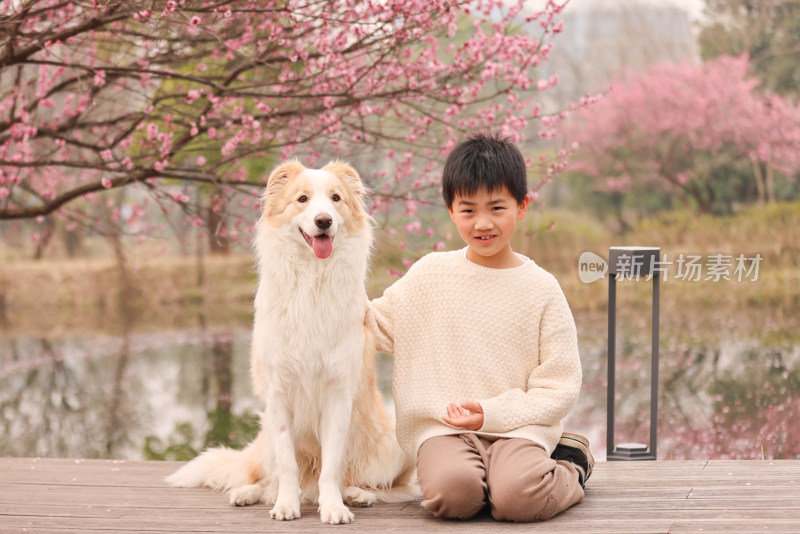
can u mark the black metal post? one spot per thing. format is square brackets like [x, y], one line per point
[646, 265]
[612, 347]
[654, 367]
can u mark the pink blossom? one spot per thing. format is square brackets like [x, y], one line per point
[679, 121]
[193, 95]
[412, 227]
[401, 95]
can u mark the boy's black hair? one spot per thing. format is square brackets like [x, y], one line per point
[484, 159]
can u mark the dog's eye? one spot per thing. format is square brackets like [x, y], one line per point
[302, 199]
[336, 198]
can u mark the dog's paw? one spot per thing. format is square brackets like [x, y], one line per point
[285, 511]
[358, 497]
[246, 495]
[335, 514]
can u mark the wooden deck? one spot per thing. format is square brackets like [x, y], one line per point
[57, 495]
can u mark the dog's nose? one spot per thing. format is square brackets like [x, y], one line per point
[323, 221]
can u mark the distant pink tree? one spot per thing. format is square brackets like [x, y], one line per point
[675, 128]
[166, 96]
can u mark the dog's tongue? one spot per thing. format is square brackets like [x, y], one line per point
[322, 245]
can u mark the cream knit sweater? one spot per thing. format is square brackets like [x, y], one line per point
[459, 331]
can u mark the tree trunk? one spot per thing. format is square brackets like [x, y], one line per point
[770, 185]
[216, 222]
[44, 240]
[73, 241]
[703, 204]
[759, 176]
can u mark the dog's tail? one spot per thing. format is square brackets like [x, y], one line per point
[401, 493]
[222, 468]
[404, 487]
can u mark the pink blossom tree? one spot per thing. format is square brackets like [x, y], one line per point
[188, 103]
[682, 129]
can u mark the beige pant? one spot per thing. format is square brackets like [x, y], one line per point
[459, 474]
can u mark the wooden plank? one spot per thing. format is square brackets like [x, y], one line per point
[177, 513]
[734, 525]
[60, 495]
[310, 523]
[782, 465]
[110, 497]
[636, 467]
[82, 472]
[786, 502]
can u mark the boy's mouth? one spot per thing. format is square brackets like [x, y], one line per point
[485, 237]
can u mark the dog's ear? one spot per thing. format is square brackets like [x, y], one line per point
[277, 180]
[349, 175]
[358, 199]
[284, 172]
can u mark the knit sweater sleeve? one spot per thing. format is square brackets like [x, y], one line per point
[380, 321]
[554, 384]
[382, 311]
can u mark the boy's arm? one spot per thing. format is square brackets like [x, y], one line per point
[553, 386]
[383, 313]
[380, 321]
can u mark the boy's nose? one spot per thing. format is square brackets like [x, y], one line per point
[484, 224]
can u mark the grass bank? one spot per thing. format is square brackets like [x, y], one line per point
[164, 290]
[89, 294]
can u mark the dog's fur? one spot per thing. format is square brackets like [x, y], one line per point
[312, 360]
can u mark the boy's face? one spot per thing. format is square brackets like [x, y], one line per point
[486, 222]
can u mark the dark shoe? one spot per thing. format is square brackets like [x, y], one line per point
[575, 449]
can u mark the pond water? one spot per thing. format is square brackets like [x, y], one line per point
[725, 392]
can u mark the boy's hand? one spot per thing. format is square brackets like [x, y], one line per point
[467, 415]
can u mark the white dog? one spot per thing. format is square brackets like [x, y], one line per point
[312, 360]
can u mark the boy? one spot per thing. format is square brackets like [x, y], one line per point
[486, 358]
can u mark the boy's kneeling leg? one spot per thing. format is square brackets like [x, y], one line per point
[525, 484]
[452, 477]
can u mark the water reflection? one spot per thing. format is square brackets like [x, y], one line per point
[169, 394]
[723, 393]
[147, 395]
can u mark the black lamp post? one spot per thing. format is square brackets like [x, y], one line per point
[633, 263]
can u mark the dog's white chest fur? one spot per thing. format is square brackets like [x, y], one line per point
[308, 309]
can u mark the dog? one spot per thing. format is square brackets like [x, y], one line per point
[324, 426]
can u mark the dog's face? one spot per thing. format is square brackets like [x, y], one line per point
[316, 204]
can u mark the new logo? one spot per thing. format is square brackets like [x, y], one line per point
[591, 267]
